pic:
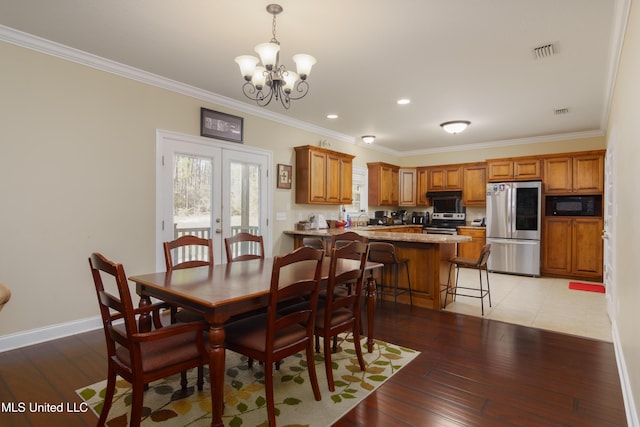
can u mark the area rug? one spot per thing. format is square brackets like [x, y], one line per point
[245, 404]
[589, 287]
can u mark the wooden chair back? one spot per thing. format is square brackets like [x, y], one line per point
[339, 240]
[244, 246]
[191, 251]
[382, 252]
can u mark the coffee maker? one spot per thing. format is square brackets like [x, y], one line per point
[420, 218]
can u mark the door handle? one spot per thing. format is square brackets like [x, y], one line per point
[218, 231]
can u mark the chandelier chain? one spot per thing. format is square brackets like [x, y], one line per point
[273, 31]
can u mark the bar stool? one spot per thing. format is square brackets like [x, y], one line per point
[385, 253]
[478, 264]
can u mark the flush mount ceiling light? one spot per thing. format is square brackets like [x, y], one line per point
[368, 139]
[271, 79]
[455, 126]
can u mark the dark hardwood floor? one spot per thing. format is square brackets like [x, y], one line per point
[472, 372]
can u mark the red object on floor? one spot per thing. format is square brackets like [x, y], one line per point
[579, 286]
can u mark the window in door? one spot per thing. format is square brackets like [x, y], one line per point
[212, 190]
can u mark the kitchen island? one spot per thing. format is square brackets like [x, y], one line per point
[428, 256]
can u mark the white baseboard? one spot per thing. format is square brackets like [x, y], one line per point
[627, 393]
[48, 333]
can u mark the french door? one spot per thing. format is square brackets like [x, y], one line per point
[210, 189]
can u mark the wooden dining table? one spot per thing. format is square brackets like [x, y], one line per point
[226, 290]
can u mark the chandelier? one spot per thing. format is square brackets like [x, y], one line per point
[271, 79]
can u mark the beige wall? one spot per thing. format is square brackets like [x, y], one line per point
[624, 138]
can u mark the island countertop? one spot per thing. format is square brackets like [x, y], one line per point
[378, 233]
[428, 256]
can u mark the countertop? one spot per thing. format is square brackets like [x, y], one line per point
[375, 232]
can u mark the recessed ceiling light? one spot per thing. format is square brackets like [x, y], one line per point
[404, 101]
[332, 116]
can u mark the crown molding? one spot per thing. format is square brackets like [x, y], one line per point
[58, 50]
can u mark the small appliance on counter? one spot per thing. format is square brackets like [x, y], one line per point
[420, 218]
[318, 221]
[478, 222]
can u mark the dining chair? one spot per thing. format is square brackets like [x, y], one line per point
[467, 291]
[271, 336]
[342, 312]
[244, 246]
[140, 357]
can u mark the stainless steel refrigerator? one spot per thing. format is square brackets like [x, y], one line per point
[513, 227]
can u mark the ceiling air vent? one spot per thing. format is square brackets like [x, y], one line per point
[544, 51]
[560, 111]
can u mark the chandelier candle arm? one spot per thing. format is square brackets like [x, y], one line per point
[266, 79]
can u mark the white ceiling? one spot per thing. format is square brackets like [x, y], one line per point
[455, 59]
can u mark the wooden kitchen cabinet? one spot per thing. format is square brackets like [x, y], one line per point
[473, 248]
[515, 169]
[422, 184]
[407, 187]
[574, 174]
[444, 178]
[572, 247]
[383, 184]
[323, 176]
[474, 184]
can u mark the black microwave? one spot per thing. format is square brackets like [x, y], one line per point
[573, 206]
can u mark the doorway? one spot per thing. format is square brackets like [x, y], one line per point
[211, 189]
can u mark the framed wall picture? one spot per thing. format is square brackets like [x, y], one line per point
[284, 176]
[215, 124]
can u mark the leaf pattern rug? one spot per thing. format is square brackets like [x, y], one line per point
[245, 404]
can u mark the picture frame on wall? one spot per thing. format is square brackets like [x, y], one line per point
[284, 176]
[214, 124]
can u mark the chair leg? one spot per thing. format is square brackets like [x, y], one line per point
[448, 290]
[406, 265]
[136, 404]
[488, 288]
[200, 377]
[268, 389]
[183, 380]
[108, 397]
[358, 346]
[327, 363]
[481, 291]
[311, 367]
[395, 283]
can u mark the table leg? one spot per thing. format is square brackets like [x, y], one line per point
[370, 297]
[144, 321]
[216, 373]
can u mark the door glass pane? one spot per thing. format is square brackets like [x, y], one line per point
[192, 183]
[526, 209]
[245, 198]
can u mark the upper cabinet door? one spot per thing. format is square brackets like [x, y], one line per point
[588, 174]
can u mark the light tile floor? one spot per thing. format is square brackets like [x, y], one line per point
[545, 303]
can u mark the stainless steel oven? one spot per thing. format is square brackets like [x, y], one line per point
[445, 223]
